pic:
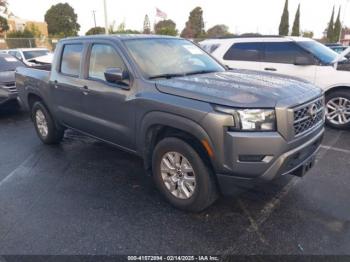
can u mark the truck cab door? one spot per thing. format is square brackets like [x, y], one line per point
[66, 86]
[107, 106]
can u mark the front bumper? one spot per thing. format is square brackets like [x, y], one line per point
[294, 158]
[7, 96]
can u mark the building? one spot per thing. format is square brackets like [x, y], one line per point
[18, 24]
[346, 40]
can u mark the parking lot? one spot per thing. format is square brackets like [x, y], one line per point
[86, 197]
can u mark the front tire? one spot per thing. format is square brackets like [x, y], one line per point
[45, 126]
[338, 109]
[181, 175]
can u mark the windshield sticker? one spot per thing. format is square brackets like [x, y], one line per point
[193, 49]
[10, 59]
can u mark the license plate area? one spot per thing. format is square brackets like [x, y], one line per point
[302, 170]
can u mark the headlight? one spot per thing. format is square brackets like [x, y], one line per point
[257, 119]
[251, 119]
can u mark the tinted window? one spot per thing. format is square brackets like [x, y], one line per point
[103, 57]
[322, 52]
[245, 52]
[71, 59]
[282, 52]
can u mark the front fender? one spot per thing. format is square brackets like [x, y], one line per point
[170, 120]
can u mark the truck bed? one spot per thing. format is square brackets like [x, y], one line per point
[33, 79]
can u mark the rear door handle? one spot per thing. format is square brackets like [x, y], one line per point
[55, 84]
[270, 69]
[86, 90]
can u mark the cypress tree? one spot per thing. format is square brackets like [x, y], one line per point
[330, 29]
[284, 25]
[337, 28]
[296, 24]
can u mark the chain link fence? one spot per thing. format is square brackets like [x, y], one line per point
[12, 43]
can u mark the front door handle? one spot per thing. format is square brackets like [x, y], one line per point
[270, 69]
[55, 84]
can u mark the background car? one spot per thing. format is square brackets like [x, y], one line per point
[8, 91]
[32, 56]
[293, 56]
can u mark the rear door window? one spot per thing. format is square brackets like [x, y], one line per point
[282, 52]
[245, 52]
[71, 59]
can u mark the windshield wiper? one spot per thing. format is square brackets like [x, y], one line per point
[167, 76]
[200, 72]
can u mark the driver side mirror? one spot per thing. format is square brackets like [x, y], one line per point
[116, 75]
[303, 61]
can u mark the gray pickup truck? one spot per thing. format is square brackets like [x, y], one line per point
[200, 128]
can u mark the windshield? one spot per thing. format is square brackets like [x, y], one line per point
[170, 57]
[33, 54]
[322, 52]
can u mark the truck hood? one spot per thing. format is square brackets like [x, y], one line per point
[240, 88]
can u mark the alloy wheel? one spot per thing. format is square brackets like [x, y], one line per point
[338, 111]
[178, 175]
[41, 123]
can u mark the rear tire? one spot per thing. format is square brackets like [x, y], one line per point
[48, 131]
[189, 185]
[338, 109]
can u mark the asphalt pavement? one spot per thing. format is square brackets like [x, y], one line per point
[87, 197]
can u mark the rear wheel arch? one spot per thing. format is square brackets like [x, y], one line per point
[32, 98]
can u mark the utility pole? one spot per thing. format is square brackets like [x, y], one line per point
[106, 19]
[94, 14]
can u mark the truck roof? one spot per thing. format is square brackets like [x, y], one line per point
[120, 37]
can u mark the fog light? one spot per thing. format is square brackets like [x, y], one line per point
[255, 158]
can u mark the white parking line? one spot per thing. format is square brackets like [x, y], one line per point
[24, 168]
[335, 149]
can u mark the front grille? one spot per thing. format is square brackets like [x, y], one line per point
[308, 116]
[11, 86]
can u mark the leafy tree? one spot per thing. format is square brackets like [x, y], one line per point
[3, 3]
[308, 34]
[337, 28]
[296, 24]
[128, 31]
[62, 20]
[165, 27]
[98, 30]
[195, 25]
[146, 25]
[121, 27]
[284, 24]
[4, 26]
[330, 29]
[218, 31]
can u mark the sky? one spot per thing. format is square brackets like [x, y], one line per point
[240, 16]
